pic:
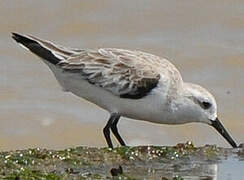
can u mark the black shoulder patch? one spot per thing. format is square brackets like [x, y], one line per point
[140, 91]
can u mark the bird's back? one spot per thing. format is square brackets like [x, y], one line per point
[125, 73]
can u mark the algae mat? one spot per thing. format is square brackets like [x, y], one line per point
[183, 161]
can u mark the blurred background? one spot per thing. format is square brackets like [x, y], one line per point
[203, 38]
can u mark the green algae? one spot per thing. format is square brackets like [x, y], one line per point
[95, 163]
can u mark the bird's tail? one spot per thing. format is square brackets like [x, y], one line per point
[44, 49]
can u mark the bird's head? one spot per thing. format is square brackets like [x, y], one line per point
[204, 106]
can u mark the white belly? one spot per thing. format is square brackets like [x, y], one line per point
[148, 108]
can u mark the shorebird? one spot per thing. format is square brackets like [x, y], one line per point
[128, 83]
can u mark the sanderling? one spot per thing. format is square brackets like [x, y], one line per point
[127, 83]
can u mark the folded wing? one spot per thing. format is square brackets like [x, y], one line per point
[125, 73]
[128, 74]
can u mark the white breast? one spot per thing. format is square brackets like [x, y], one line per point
[149, 108]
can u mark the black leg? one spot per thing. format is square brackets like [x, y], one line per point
[106, 129]
[112, 124]
[115, 131]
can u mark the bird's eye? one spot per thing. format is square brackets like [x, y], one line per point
[206, 105]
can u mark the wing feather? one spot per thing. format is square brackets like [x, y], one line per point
[124, 73]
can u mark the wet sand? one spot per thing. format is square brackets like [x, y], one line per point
[204, 39]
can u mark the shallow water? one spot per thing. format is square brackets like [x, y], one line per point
[224, 164]
[229, 168]
[204, 39]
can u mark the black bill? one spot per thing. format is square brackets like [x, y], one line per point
[220, 128]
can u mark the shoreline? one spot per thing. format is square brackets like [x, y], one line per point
[154, 162]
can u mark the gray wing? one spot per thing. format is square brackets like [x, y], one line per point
[125, 73]
[128, 74]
